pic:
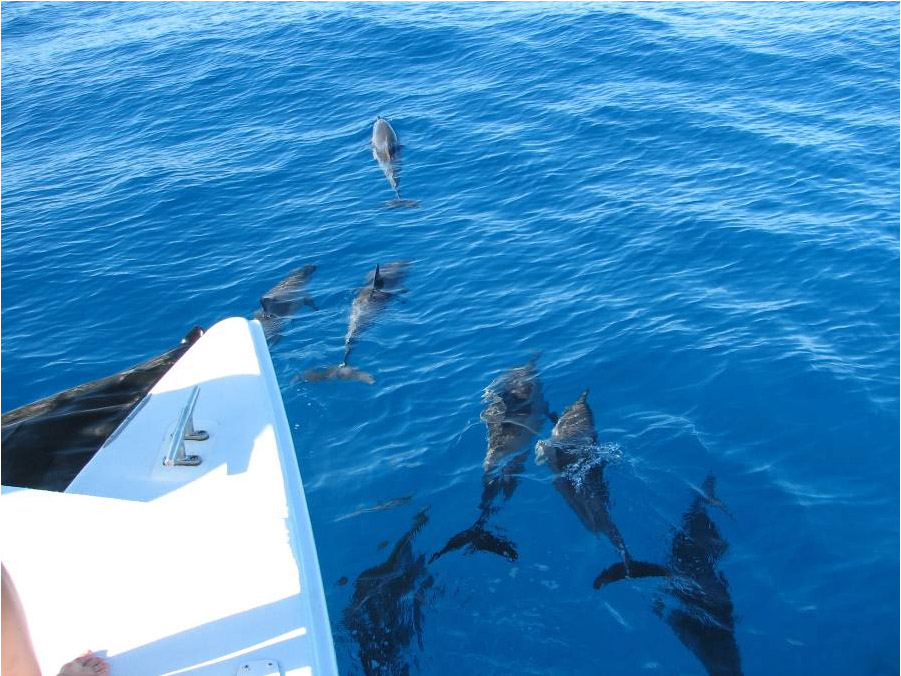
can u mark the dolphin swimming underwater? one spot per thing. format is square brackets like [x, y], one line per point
[571, 452]
[385, 613]
[386, 150]
[514, 414]
[382, 285]
[704, 623]
[283, 300]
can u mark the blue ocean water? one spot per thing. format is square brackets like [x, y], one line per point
[693, 210]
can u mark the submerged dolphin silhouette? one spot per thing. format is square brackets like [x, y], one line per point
[283, 300]
[385, 613]
[514, 414]
[704, 622]
[571, 453]
[382, 285]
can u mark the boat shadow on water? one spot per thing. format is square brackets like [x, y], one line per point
[48, 442]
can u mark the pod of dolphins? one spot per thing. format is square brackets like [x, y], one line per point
[385, 612]
[386, 609]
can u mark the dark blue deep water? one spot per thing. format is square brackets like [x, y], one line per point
[691, 209]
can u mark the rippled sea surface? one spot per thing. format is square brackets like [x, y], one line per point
[690, 209]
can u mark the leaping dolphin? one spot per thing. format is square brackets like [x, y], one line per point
[283, 300]
[704, 623]
[386, 150]
[572, 454]
[514, 414]
[382, 284]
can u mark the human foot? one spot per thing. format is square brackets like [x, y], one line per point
[86, 665]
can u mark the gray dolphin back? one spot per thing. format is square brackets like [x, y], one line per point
[383, 283]
[384, 140]
[386, 150]
[288, 296]
[515, 409]
[283, 300]
[570, 453]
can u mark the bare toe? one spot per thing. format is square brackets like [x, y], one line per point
[86, 665]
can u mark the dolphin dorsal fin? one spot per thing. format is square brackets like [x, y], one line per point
[707, 491]
[708, 487]
[377, 280]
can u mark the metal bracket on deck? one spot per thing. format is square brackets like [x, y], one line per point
[259, 668]
[184, 430]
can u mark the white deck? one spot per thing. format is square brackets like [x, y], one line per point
[180, 570]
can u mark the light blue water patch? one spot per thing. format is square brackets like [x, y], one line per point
[691, 209]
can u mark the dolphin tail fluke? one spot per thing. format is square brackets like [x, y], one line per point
[478, 538]
[341, 372]
[631, 569]
[646, 569]
[403, 203]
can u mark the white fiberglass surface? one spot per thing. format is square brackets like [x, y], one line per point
[180, 570]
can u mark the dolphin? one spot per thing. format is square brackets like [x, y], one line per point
[514, 414]
[386, 150]
[382, 284]
[385, 612]
[704, 623]
[390, 504]
[283, 300]
[571, 452]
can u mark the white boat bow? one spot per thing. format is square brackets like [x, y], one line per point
[180, 569]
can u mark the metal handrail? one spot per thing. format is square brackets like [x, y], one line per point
[184, 430]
